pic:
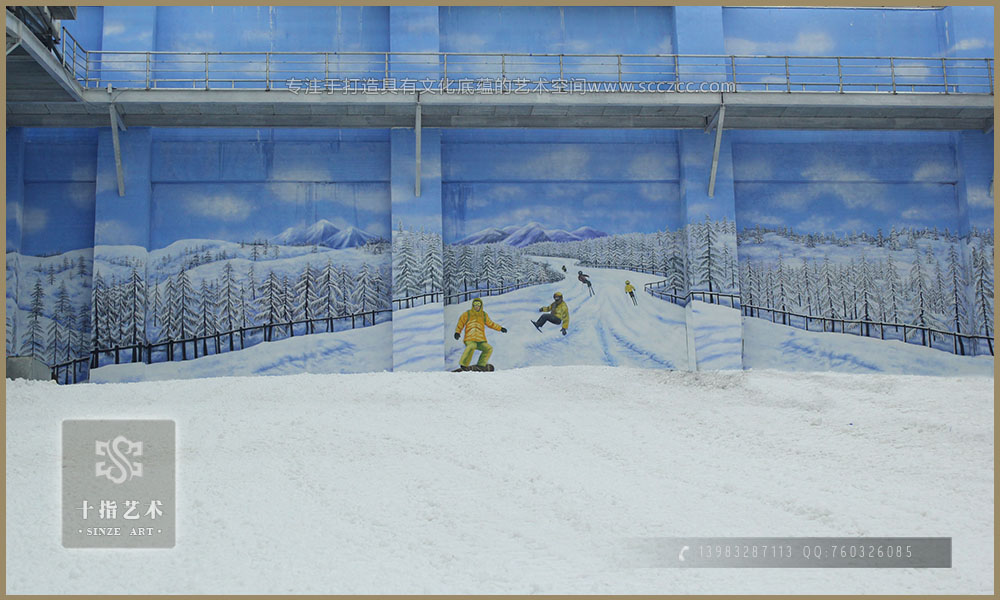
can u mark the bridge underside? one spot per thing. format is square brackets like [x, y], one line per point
[282, 108]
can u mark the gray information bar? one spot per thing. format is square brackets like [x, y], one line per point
[788, 552]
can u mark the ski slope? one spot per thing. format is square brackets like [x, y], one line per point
[604, 329]
[518, 481]
[352, 351]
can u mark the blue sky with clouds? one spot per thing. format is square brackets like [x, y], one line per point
[852, 181]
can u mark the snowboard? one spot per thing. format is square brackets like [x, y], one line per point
[487, 368]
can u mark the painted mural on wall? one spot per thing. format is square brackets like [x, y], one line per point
[268, 267]
[551, 236]
[827, 246]
[50, 221]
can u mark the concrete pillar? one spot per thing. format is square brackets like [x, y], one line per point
[15, 207]
[417, 325]
[121, 224]
[715, 330]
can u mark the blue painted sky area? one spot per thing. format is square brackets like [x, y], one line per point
[247, 211]
[57, 217]
[854, 181]
[555, 29]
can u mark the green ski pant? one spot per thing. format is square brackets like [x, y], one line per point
[484, 357]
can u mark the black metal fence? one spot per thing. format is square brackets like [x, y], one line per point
[963, 344]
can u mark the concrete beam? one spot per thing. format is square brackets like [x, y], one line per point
[116, 121]
[417, 126]
[715, 152]
[43, 57]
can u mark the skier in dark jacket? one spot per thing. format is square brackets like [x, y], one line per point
[584, 278]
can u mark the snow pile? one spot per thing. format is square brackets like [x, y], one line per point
[518, 481]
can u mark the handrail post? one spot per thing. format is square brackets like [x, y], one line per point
[326, 67]
[677, 69]
[503, 68]
[989, 74]
[560, 67]
[444, 81]
[619, 70]
[206, 87]
[944, 73]
[147, 70]
[840, 77]
[386, 69]
[892, 74]
[267, 71]
[788, 77]
[732, 67]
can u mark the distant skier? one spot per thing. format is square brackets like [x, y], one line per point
[474, 322]
[630, 290]
[564, 268]
[584, 278]
[557, 312]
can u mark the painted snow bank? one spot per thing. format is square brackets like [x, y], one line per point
[352, 351]
[769, 345]
[516, 481]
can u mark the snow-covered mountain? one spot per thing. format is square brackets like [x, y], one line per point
[323, 233]
[531, 233]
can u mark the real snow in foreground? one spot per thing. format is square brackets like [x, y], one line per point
[518, 481]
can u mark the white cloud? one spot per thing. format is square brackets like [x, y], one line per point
[14, 212]
[814, 224]
[838, 180]
[463, 42]
[810, 43]
[223, 206]
[113, 231]
[755, 217]
[916, 214]
[114, 28]
[933, 171]
[566, 162]
[34, 219]
[971, 44]
[979, 197]
[651, 166]
[81, 197]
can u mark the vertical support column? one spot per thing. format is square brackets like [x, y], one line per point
[974, 195]
[715, 327]
[15, 210]
[121, 230]
[418, 332]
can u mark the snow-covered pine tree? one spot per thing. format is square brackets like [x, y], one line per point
[344, 280]
[430, 269]
[327, 290]
[307, 305]
[134, 299]
[272, 301]
[865, 287]
[920, 298]
[982, 291]
[364, 295]
[34, 339]
[184, 307]
[708, 261]
[957, 284]
[229, 299]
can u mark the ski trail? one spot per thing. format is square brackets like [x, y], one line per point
[604, 329]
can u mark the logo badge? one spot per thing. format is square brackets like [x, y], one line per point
[118, 450]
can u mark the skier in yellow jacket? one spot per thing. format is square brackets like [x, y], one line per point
[557, 312]
[474, 323]
[630, 290]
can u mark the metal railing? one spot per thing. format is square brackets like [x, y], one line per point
[377, 72]
[963, 344]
